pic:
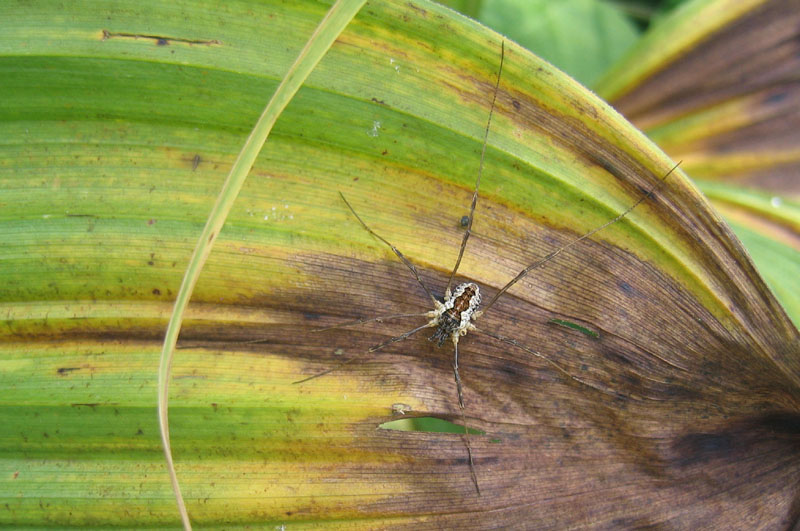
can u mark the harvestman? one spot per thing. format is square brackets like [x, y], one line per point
[454, 315]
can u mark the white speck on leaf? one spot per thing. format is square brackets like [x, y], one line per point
[375, 131]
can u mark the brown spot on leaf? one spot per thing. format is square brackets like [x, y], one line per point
[159, 40]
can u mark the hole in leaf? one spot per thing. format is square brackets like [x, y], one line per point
[427, 424]
[574, 326]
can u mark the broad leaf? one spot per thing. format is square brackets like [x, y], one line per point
[117, 137]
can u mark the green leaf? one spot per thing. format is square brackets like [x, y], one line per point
[317, 45]
[575, 326]
[426, 424]
[582, 37]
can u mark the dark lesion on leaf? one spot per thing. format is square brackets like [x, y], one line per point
[160, 40]
[775, 433]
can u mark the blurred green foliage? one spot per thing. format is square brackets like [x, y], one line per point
[581, 37]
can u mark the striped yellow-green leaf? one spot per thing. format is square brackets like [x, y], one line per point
[120, 122]
[318, 43]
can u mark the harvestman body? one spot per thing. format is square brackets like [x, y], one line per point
[453, 316]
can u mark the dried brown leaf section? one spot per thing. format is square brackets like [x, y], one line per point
[742, 85]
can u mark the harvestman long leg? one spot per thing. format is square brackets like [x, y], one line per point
[566, 246]
[379, 319]
[474, 203]
[396, 251]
